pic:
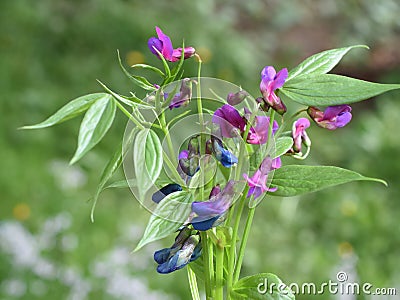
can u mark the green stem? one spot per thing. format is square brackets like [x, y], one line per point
[208, 264]
[193, 284]
[128, 114]
[201, 121]
[219, 272]
[165, 130]
[232, 249]
[243, 243]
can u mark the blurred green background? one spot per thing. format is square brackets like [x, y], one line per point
[53, 51]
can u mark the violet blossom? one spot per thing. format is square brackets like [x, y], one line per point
[299, 134]
[333, 117]
[271, 81]
[162, 43]
[212, 212]
[257, 182]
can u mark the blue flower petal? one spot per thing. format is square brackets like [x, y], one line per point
[199, 223]
[165, 191]
[161, 256]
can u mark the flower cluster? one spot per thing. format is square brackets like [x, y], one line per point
[253, 128]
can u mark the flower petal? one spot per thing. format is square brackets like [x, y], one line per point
[203, 224]
[154, 42]
[279, 79]
[167, 48]
[333, 111]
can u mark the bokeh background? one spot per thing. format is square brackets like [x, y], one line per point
[53, 51]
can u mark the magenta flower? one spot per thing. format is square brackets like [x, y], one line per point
[299, 134]
[229, 120]
[232, 124]
[257, 182]
[333, 117]
[271, 81]
[163, 45]
[259, 133]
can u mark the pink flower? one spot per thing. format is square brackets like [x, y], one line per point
[257, 182]
[271, 81]
[299, 134]
[162, 43]
[333, 117]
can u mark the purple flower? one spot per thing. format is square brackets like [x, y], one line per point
[333, 117]
[212, 212]
[229, 120]
[184, 95]
[259, 133]
[257, 182]
[187, 248]
[271, 81]
[227, 158]
[163, 45]
[232, 123]
[299, 134]
[236, 98]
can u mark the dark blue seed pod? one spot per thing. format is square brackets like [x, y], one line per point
[165, 191]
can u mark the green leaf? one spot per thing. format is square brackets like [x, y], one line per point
[147, 160]
[330, 89]
[296, 180]
[164, 220]
[94, 126]
[131, 101]
[151, 68]
[322, 62]
[70, 110]
[138, 80]
[112, 165]
[120, 184]
[282, 145]
[263, 286]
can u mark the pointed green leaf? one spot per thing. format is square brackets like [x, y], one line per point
[147, 160]
[94, 126]
[69, 111]
[330, 89]
[138, 80]
[151, 68]
[282, 145]
[113, 164]
[263, 286]
[131, 101]
[120, 184]
[322, 62]
[296, 180]
[168, 216]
